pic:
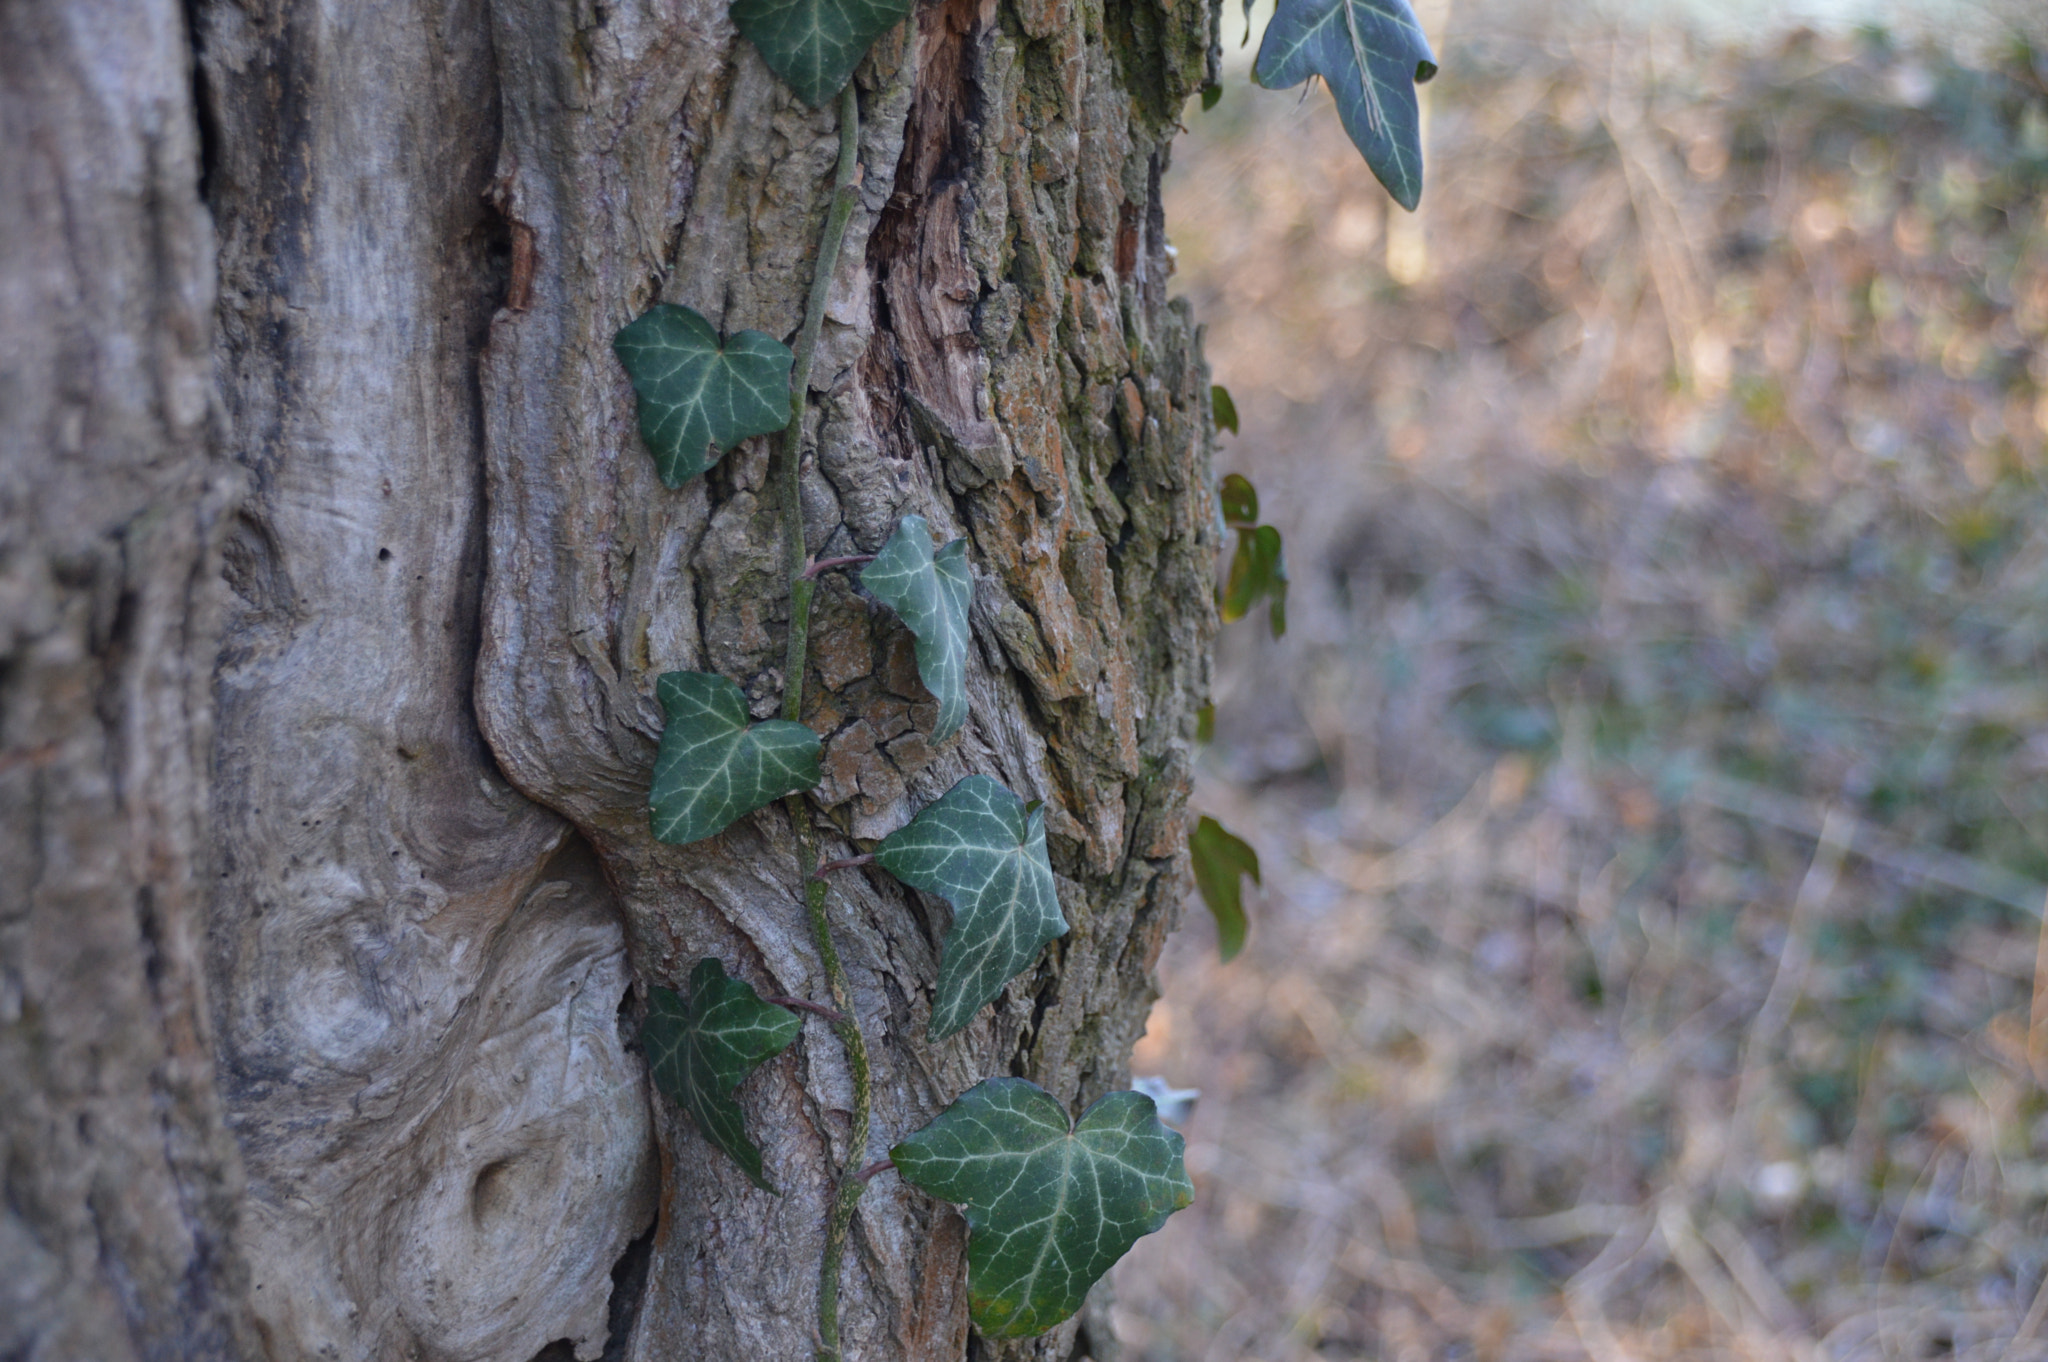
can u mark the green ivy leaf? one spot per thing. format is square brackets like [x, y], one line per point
[1372, 54]
[815, 44]
[700, 1051]
[981, 849]
[1258, 571]
[1221, 863]
[1220, 403]
[931, 593]
[696, 394]
[1240, 501]
[1051, 1203]
[712, 768]
[1212, 95]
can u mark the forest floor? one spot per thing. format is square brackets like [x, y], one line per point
[1652, 786]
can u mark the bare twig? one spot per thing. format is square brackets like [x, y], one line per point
[1901, 858]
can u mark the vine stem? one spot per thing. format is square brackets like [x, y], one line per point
[847, 1184]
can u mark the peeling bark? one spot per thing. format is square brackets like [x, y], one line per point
[454, 578]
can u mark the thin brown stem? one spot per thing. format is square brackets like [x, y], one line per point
[848, 863]
[820, 565]
[830, 1014]
[878, 1166]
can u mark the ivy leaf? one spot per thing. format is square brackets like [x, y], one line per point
[1372, 54]
[700, 1051]
[1240, 501]
[1211, 96]
[696, 394]
[981, 849]
[815, 44]
[1258, 571]
[931, 593]
[712, 768]
[1219, 403]
[1221, 862]
[1051, 1203]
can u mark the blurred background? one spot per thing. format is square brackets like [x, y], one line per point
[1652, 784]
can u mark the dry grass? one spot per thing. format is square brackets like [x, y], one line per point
[1651, 785]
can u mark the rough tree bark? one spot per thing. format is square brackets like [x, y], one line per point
[432, 616]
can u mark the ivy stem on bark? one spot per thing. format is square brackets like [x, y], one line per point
[847, 1186]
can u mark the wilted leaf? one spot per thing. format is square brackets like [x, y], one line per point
[697, 395]
[931, 593]
[700, 1051]
[815, 44]
[1219, 396]
[1240, 501]
[981, 849]
[1174, 1105]
[1258, 571]
[1372, 54]
[1050, 1203]
[1221, 862]
[712, 768]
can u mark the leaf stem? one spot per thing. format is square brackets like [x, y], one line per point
[847, 1186]
[827, 564]
[845, 863]
[830, 1014]
[878, 1166]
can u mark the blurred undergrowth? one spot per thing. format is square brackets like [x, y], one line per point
[1654, 782]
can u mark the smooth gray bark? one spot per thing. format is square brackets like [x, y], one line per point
[452, 579]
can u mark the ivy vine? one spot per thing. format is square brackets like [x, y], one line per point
[1051, 1202]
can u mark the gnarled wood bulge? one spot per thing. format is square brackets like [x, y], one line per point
[330, 733]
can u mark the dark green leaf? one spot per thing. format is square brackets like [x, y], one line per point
[712, 768]
[699, 398]
[981, 849]
[1223, 407]
[1221, 863]
[1258, 571]
[931, 593]
[815, 44]
[1240, 501]
[1211, 96]
[1050, 1203]
[1371, 53]
[699, 1052]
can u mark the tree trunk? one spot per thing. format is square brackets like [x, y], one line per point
[120, 1176]
[450, 583]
